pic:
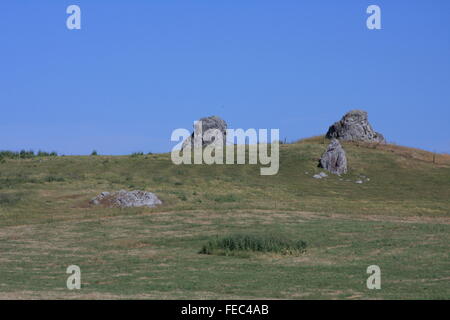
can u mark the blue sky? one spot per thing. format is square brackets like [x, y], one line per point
[137, 70]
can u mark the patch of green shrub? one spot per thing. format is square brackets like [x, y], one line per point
[160, 179]
[9, 199]
[136, 154]
[247, 243]
[11, 182]
[46, 154]
[54, 179]
[226, 198]
[182, 197]
[24, 154]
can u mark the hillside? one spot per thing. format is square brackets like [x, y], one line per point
[399, 218]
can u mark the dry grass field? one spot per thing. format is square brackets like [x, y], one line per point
[399, 219]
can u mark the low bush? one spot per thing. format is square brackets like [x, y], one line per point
[24, 154]
[137, 154]
[226, 198]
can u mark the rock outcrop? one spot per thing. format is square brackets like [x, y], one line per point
[126, 199]
[355, 126]
[206, 131]
[334, 159]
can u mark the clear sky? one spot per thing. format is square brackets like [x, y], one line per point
[139, 69]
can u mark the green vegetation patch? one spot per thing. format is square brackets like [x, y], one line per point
[9, 199]
[246, 243]
[24, 154]
[225, 198]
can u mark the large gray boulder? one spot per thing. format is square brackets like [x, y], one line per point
[206, 132]
[126, 199]
[355, 126]
[334, 159]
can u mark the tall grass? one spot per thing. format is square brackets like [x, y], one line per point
[232, 244]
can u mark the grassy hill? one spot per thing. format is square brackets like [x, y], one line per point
[399, 219]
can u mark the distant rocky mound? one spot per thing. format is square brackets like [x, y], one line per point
[127, 199]
[334, 159]
[201, 136]
[355, 126]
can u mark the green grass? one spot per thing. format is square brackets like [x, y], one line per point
[238, 243]
[399, 220]
[9, 199]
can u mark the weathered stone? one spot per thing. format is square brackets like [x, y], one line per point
[100, 197]
[354, 126]
[320, 175]
[126, 199]
[334, 159]
[207, 131]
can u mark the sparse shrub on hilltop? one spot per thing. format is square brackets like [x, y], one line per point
[136, 154]
[24, 154]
